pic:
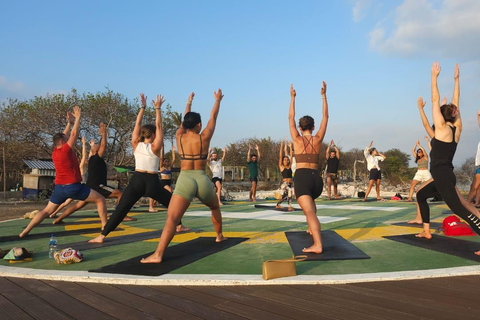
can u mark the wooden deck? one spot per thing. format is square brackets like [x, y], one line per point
[440, 298]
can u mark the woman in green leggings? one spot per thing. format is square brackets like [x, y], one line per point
[192, 144]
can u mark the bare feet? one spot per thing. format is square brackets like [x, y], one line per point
[290, 208]
[182, 228]
[58, 221]
[152, 210]
[23, 234]
[408, 200]
[53, 215]
[309, 232]
[254, 200]
[314, 249]
[151, 259]
[127, 218]
[477, 253]
[424, 234]
[364, 199]
[220, 203]
[415, 221]
[220, 238]
[98, 239]
[278, 207]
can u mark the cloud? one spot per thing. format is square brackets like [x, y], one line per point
[440, 29]
[10, 86]
[360, 8]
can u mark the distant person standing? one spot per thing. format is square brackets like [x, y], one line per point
[422, 175]
[373, 157]
[252, 162]
[215, 165]
[285, 167]
[332, 156]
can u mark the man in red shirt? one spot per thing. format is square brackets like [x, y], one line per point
[68, 179]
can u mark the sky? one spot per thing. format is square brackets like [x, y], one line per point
[375, 57]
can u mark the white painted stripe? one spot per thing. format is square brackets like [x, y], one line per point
[230, 279]
[353, 207]
[271, 215]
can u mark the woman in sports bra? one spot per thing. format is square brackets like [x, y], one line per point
[285, 167]
[146, 143]
[448, 127]
[193, 144]
[422, 175]
[308, 182]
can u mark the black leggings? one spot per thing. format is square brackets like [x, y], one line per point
[443, 184]
[141, 184]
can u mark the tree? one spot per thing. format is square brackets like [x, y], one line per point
[465, 173]
[396, 166]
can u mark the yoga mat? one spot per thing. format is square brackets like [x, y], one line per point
[175, 257]
[284, 209]
[113, 241]
[433, 225]
[46, 235]
[334, 246]
[449, 245]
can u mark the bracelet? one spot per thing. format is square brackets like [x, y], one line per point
[157, 108]
[143, 107]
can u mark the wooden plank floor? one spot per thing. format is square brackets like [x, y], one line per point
[441, 298]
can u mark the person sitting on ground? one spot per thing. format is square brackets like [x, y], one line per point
[333, 162]
[68, 178]
[193, 180]
[215, 165]
[373, 156]
[286, 170]
[146, 143]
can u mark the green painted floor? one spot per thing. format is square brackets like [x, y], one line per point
[363, 228]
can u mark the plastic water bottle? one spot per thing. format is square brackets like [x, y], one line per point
[53, 246]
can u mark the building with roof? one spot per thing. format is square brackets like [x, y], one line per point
[40, 180]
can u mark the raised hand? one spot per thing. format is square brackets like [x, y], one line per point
[457, 72]
[158, 103]
[435, 69]
[70, 117]
[418, 142]
[426, 138]
[190, 97]
[331, 143]
[218, 95]
[83, 140]
[143, 100]
[77, 112]
[293, 93]
[323, 91]
[421, 103]
[256, 147]
[102, 129]
[92, 143]
[224, 149]
[444, 101]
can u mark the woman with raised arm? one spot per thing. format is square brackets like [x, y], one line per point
[193, 145]
[422, 175]
[448, 127]
[146, 143]
[308, 182]
[286, 171]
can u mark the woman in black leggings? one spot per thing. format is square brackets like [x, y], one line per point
[448, 127]
[146, 144]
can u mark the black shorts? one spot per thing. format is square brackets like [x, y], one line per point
[253, 179]
[308, 182]
[215, 179]
[104, 190]
[165, 182]
[375, 174]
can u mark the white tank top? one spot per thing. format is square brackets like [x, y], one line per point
[145, 159]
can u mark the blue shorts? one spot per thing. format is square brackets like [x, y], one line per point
[76, 191]
[477, 170]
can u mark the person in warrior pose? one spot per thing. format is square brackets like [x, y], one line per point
[252, 162]
[333, 161]
[68, 179]
[308, 182]
[285, 167]
[193, 181]
[215, 165]
[448, 127]
[373, 156]
[97, 176]
[422, 175]
[146, 143]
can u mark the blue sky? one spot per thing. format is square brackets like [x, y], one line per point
[374, 55]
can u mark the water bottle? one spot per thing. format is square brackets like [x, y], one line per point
[52, 245]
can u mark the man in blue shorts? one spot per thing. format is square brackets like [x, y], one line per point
[68, 179]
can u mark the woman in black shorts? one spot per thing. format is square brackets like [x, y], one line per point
[448, 127]
[308, 182]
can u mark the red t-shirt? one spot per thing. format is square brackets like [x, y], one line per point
[66, 165]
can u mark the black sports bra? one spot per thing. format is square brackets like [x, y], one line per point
[199, 156]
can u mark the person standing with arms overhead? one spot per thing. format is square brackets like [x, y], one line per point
[373, 156]
[285, 167]
[146, 143]
[193, 180]
[332, 155]
[68, 179]
[252, 162]
[422, 175]
[308, 182]
[217, 171]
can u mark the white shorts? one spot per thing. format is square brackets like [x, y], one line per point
[422, 175]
